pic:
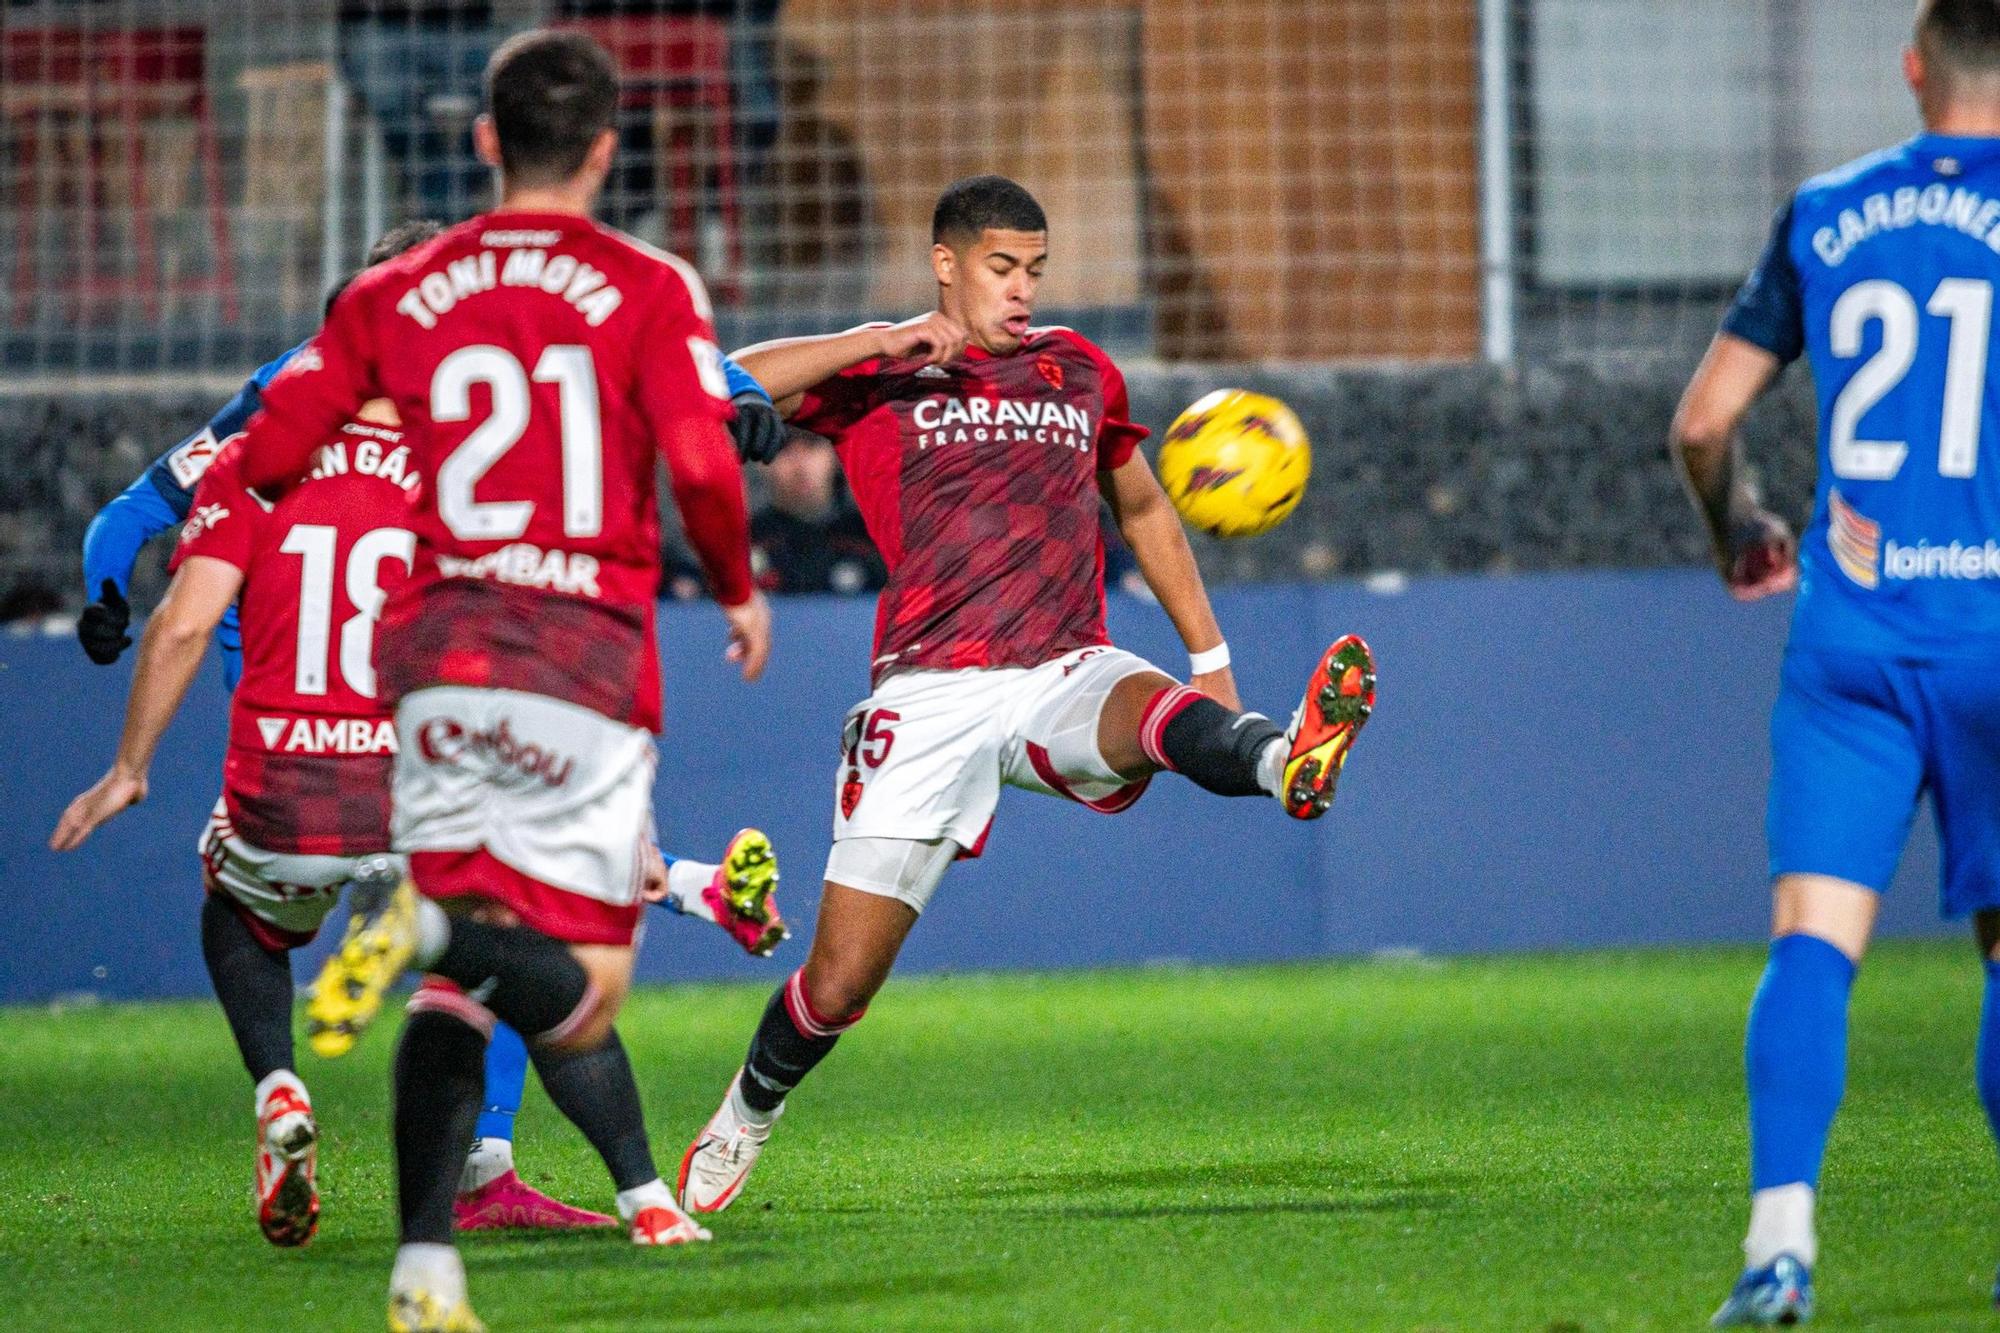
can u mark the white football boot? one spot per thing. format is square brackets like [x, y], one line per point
[719, 1160]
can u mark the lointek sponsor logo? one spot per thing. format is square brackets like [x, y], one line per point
[444, 740]
[1957, 560]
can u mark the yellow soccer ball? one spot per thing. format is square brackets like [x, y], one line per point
[1235, 463]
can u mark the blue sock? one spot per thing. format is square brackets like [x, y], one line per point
[1795, 1055]
[506, 1076]
[1988, 1065]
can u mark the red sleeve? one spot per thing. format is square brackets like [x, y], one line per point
[319, 389]
[838, 401]
[222, 520]
[835, 403]
[1117, 434]
[685, 398]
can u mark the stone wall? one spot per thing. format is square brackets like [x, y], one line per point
[1418, 469]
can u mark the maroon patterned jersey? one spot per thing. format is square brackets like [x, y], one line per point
[310, 744]
[979, 484]
[541, 365]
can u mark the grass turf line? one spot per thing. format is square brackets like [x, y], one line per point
[1546, 1143]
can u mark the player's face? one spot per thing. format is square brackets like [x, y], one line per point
[994, 281]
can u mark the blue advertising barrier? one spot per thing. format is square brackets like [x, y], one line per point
[1555, 762]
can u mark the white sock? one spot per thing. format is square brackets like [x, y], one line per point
[653, 1194]
[1271, 766]
[280, 1078]
[685, 882]
[489, 1160]
[433, 933]
[1781, 1222]
[436, 1269]
[747, 1113]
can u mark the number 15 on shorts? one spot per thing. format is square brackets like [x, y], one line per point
[865, 741]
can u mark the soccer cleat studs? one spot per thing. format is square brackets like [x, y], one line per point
[1338, 701]
[348, 993]
[742, 894]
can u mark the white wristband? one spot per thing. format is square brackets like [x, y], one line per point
[1211, 659]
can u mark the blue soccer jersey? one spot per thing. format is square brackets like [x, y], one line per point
[1882, 274]
[160, 498]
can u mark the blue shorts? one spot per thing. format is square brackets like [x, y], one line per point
[1856, 740]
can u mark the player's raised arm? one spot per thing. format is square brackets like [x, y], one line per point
[155, 501]
[787, 367]
[169, 656]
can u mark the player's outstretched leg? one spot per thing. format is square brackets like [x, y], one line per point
[254, 984]
[491, 1194]
[596, 1090]
[854, 946]
[383, 935]
[1182, 730]
[738, 895]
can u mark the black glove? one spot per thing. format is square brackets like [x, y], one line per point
[758, 429]
[101, 627]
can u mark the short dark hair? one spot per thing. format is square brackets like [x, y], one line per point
[551, 93]
[403, 236]
[971, 206]
[1962, 35]
[406, 235]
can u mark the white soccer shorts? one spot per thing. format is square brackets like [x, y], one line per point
[556, 792]
[288, 892]
[924, 758]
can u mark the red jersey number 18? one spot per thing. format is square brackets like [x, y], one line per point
[570, 368]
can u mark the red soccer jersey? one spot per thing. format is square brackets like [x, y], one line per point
[310, 744]
[540, 364]
[978, 481]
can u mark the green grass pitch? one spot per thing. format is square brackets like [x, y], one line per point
[1550, 1143]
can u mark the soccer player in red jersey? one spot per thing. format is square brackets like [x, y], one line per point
[541, 365]
[304, 803]
[268, 892]
[978, 447]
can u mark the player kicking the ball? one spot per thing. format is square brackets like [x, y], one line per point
[542, 365]
[977, 447]
[1882, 274]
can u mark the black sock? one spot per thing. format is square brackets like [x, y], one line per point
[784, 1051]
[1211, 746]
[440, 1074]
[536, 982]
[596, 1090]
[254, 985]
